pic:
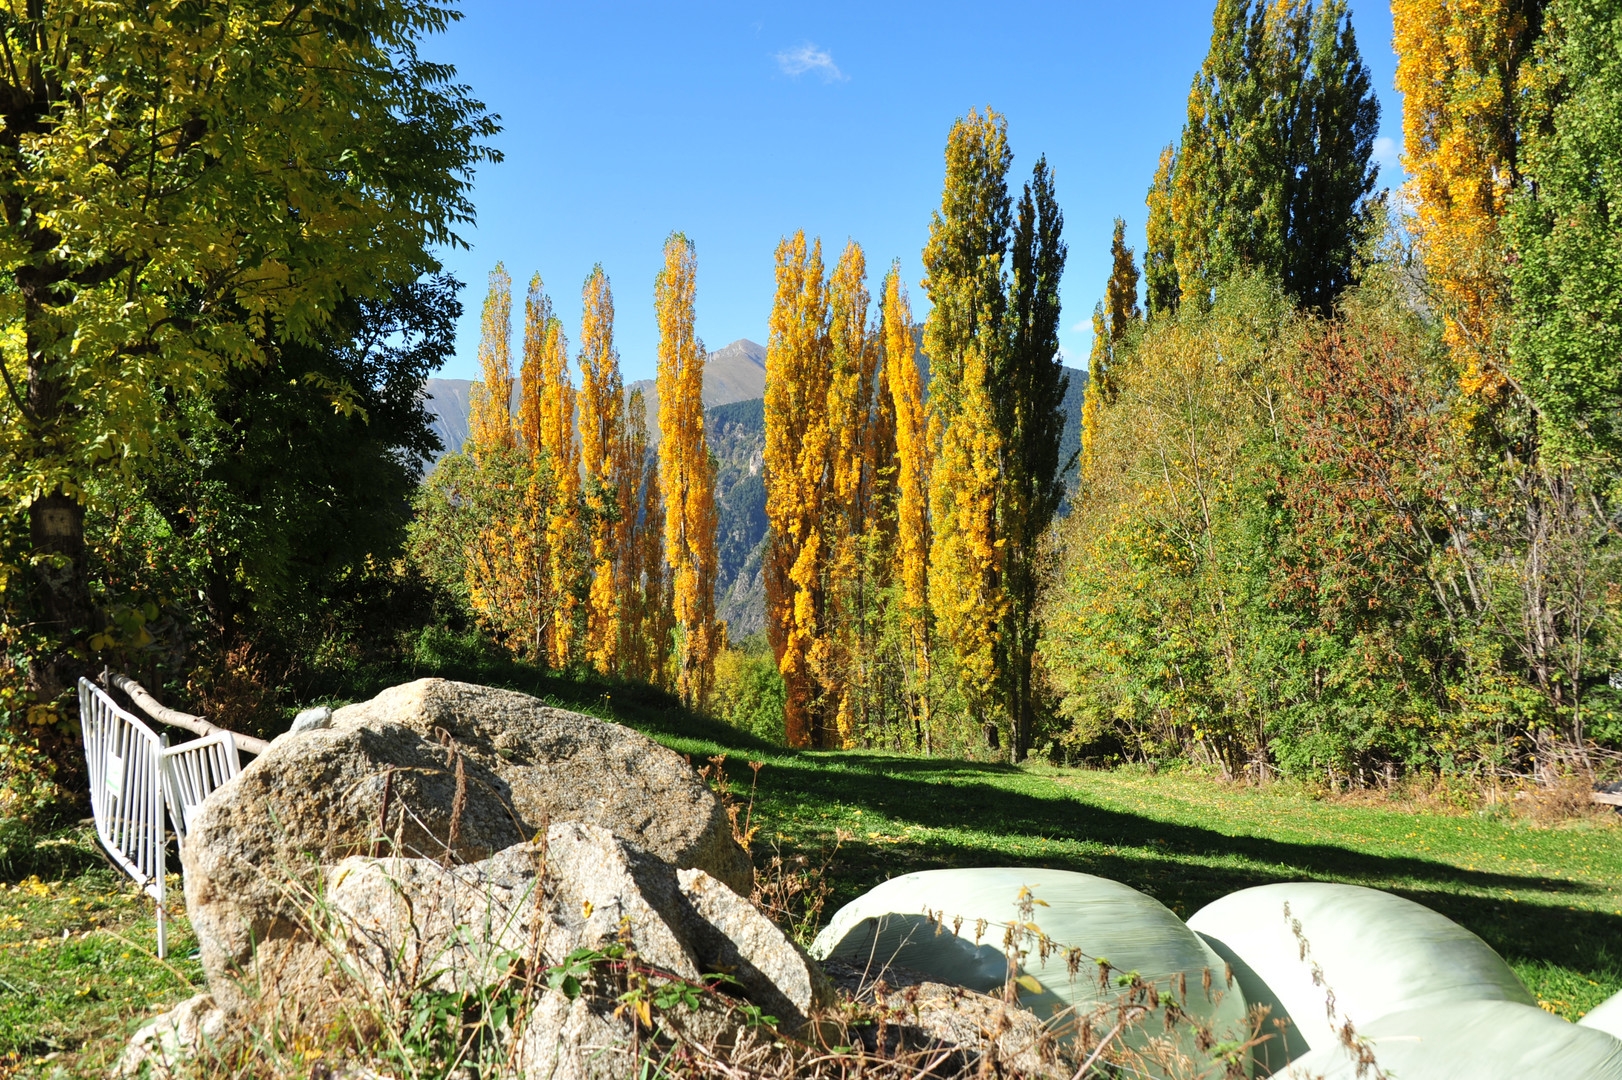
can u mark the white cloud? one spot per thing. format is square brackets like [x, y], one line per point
[1386, 155]
[807, 57]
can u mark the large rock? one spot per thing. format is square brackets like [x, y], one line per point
[434, 770]
[164, 1046]
[402, 924]
[408, 923]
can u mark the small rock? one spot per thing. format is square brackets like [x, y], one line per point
[983, 1034]
[575, 1040]
[164, 1045]
[731, 937]
[311, 719]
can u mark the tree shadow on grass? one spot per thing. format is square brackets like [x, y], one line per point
[1174, 862]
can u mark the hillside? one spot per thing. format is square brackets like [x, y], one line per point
[736, 372]
[78, 943]
[737, 434]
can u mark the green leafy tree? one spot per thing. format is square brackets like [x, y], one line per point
[1273, 167]
[1566, 276]
[1332, 137]
[965, 262]
[996, 390]
[1028, 396]
[274, 502]
[1162, 290]
[180, 183]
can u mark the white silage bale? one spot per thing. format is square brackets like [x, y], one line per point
[1376, 953]
[951, 925]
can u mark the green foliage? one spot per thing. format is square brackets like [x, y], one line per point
[286, 493]
[749, 692]
[1272, 168]
[1566, 274]
[1302, 548]
[295, 158]
[1147, 647]
[1029, 387]
[17, 847]
[1546, 899]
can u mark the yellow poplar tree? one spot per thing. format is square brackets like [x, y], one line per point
[1111, 321]
[1458, 70]
[658, 618]
[532, 372]
[913, 462]
[540, 486]
[603, 459]
[631, 551]
[686, 474]
[963, 261]
[966, 558]
[490, 420]
[796, 450]
[508, 567]
[566, 541]
[852, 359]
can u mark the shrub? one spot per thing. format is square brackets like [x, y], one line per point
[749, 692]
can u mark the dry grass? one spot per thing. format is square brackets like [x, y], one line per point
[1567, 797]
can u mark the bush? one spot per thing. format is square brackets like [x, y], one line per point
[17, 848]
[749, 692]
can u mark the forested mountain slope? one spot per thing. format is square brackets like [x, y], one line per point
[737, 433]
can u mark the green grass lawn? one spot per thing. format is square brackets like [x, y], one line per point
[1549, 900]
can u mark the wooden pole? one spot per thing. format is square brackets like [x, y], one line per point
[165, 715]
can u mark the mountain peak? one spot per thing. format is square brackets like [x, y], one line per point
[742, 351]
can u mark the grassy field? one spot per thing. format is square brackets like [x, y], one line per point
[77, 972]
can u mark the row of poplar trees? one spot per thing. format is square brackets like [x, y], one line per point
[572, 541]
[906, 517]
[1349, 497]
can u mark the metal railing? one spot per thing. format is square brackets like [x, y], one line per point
[194, 769]
[134, 772]
[126, 791]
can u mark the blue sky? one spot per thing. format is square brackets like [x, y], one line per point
[737, 123]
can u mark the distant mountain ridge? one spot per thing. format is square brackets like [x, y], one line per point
[736, 372]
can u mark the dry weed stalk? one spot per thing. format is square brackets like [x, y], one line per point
[1361, 1052]
[1096, 1037]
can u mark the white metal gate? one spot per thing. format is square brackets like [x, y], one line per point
[126, 792]
[134, 771]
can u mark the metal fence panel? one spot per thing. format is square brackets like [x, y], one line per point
[194, 769]
[126, 792]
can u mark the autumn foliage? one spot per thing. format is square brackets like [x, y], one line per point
[1459, 72]
[686, 474]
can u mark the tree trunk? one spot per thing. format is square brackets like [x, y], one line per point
[56, 531]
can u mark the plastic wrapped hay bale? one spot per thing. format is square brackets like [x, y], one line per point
[1472, 1040]
[954, 926]
[1378, 953]
[1606, 1016]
